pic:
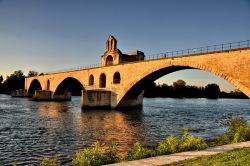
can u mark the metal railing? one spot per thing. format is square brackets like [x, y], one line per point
[201, 50]
[75, 68]
[171, 54]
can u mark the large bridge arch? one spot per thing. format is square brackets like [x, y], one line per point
[131, 92]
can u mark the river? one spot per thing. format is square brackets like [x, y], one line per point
[30, 130]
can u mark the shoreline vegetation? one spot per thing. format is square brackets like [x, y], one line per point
[238, 130]
[178, 89]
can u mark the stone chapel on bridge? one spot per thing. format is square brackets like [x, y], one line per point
[114, 56]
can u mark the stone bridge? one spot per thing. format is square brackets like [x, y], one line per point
[120, 79]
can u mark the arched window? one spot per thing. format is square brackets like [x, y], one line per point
[117, 78]
[48, 85]
[109, 60]
[91, 80]
[102, 80]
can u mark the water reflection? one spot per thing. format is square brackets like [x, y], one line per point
[107, 126]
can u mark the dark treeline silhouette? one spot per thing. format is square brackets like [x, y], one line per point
[179, 89]
[14, 81]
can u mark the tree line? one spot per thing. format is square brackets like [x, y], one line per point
[179, 89]
[14, 81]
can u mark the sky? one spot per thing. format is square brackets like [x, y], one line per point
[49, 35]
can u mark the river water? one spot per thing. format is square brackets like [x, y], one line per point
[30, 130]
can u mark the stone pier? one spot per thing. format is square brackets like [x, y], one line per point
[105, 99]
[46, 95]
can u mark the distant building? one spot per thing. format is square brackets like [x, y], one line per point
[114, 56]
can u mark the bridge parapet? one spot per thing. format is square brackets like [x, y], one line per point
[170, 54]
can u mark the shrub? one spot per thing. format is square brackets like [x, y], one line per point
[111, 153]
[222, 140]
[168, 146]
[15, 163]
[95, 156]
[138, 152]
[184, 142]
[237, 131]
[49, 161]
[189, 142]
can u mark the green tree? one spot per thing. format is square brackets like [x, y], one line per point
[179, 84]
[32, 73]
[1, 79]
[18, 73]
[179, 88]
[14, 81]
[212, 91]
[150, 89]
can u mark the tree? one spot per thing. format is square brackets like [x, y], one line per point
[179, 83]
[179, 88]
[1, 79]
[14, 81]
[212, 91]
[32, 73]
[18, 73]
[150, 89]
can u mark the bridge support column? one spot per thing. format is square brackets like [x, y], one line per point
[20, 93]
[46, 95]
[131, 102]
[42, 95]
[103, 99]
[96, 99]
[62, 97]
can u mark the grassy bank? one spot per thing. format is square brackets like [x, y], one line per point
[239, 157]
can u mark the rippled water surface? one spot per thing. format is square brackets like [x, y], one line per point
[30, 130]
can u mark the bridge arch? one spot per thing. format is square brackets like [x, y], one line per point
[68, 86]
[133, 90]
[34, 85]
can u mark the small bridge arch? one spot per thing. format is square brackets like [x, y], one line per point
[67, 87]
[34, 85]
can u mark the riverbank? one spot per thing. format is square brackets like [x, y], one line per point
[176, 157]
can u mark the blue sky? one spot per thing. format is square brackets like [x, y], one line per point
[47, 35]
